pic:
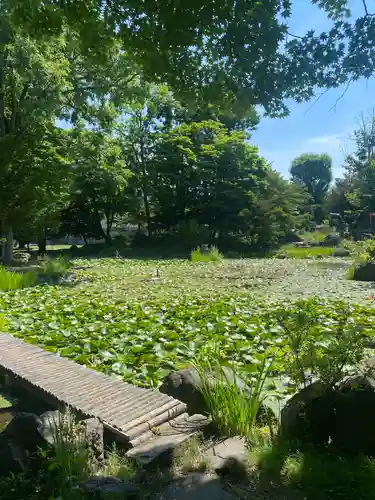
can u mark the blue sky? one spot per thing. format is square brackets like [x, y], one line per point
[323, 127]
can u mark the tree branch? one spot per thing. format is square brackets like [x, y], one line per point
[366, 9]
[341, 96]
[316, 100]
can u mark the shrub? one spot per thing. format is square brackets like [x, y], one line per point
[212, 256]
[10, 280]
[54, 269]
[315, 349]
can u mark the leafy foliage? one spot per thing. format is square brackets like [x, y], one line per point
[290, 251]
[221, 51]
[10, 280]
[352, 196]
[122, 320]
[53, 269]
[213, 255]
[314, 173]
[234, 410]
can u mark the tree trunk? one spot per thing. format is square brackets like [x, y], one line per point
[42, 244]
[145, 200]
[8, 247]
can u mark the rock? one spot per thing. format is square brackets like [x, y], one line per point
[302, 244]
[197, 486]
[47, 423]
[94, 431]
[184, 385]
[229, 458]
[12, 459]
[23, 430]
[107, 485]
[341, 252]
[365, 272]
[354, 430]
[307, 417]
[331, 240]
[291, 237]
[21, 258]
[205, 248]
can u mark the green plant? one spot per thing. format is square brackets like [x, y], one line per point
[117, 465]
[293, 252]
[350, 273]
[189, 457]
[72, 460]
[233, 399]
[10, 280]
[316, 348]
[213, 255]
[319, 473]
[53, 269]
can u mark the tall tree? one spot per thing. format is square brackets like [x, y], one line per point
[99, 190]
[205, 174]
[33, 79]
[314, 172]
[354, 195]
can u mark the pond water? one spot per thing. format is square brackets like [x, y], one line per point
[330, 264]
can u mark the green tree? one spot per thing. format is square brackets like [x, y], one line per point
[36, 187]
[314, 173]
[99, 191]
[222, 51]
[354, 195]
[281, 207]
[207, 175]
[33, 78]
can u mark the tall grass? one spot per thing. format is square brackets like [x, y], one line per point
[73, 460]
[54, 269]
[10, 280]
[212, 256]
[233, 401]
[316, 236]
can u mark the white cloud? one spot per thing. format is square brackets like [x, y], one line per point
[332, 140]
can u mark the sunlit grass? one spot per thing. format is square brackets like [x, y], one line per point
[213, 255]
[292, 252]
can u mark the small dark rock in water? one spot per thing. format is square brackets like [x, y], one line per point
[184, 385]
[331, 240]
[341, 252]
[365, 272]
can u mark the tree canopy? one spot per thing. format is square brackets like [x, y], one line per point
[221, 51]
[314, 173]
[161, 98]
